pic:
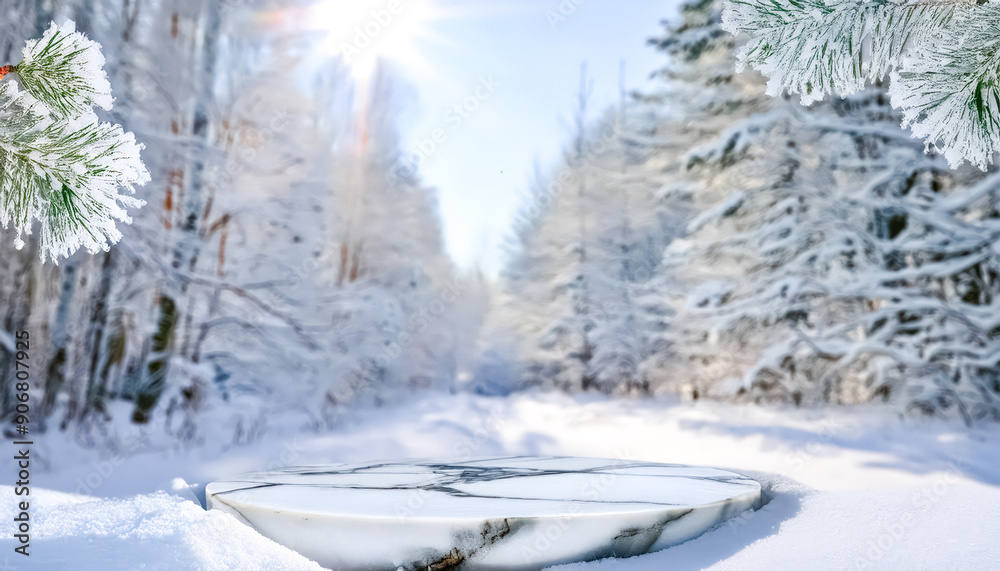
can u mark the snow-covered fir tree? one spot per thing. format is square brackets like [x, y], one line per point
[682, 123]
[812, 254]
[576, 287]
[824, 263]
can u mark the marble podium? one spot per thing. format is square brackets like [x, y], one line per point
[482, 514]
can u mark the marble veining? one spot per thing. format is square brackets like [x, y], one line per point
[497, 513]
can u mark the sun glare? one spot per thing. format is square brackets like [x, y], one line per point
[363, 32]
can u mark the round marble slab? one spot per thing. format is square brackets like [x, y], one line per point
[482, 514]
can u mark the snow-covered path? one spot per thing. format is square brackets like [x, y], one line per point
[853, 488]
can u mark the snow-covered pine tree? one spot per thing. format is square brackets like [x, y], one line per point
[829, 258]
[681, 123]
[383, 265]
[58, 163]
[941, 57]
[574, 291]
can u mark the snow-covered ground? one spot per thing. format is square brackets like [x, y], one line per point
[852, 488]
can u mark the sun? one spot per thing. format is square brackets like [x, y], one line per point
[363, 32]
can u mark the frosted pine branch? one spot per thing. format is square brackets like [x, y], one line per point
[814, 47]
[66, 175]
[950, 92]
[942, 57]
[65, 71]
[58, 163]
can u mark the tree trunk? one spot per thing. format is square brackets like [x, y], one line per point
[94, 346]
[59, 338]
[205, 27]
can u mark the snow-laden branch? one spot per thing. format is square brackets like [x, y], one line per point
[58, 163]
[942, 57]
[814, 47]
[949, 90]
[65, 71]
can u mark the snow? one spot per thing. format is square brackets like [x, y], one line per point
[149, 531]
[854, 488]
[726, 208]
[67, 63]
[836, 262]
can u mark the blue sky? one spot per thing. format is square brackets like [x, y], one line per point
[513, 68]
